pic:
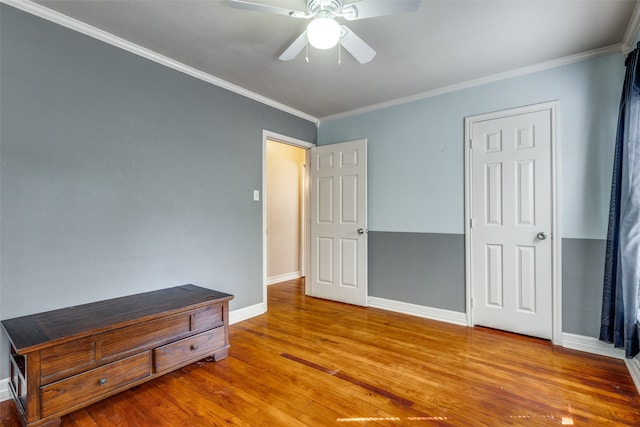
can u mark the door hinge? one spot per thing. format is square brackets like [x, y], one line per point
[471, 144]
[471, 302]
[470, 222]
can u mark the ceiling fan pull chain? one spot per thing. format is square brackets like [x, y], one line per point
[307, 54]
[339, 53]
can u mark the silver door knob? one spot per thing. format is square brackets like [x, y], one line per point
[360, 230]
[541, 235]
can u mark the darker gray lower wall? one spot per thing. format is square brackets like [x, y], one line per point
[582, 274]
[418, 268]
[428, 269]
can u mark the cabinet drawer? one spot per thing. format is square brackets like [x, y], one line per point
[142, 336]
[77, 356]
[208, 318]
[80, 388]
[66, 359]
[192, 348]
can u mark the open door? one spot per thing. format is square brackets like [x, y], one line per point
[339, 222]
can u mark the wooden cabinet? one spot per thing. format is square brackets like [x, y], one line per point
[66, 359]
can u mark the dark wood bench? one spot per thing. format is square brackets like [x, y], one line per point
[66, 359]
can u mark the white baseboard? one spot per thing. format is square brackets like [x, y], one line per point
[591, 345]
[245, 313]
[283, 277]
[572, 341]
[633, 365]
[5, 394]
[419, 310]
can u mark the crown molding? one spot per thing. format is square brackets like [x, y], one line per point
[482, 81]
[104, 36]
[632, 32]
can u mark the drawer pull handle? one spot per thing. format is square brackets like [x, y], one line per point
[194, 346]
[102, 381]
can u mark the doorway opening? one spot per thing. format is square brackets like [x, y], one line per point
[285, 209]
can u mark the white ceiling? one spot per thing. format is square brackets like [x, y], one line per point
[443, 43]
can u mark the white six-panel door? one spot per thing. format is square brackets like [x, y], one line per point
[339, 222]
[511, 222]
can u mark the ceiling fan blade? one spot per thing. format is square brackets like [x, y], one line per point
[356, 46]
[370, 9]
[295, 48]
[241, 4]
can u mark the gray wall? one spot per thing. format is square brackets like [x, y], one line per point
[119, 175]
[428, 269]
[416, 188]
[420, 268]
[582, 275]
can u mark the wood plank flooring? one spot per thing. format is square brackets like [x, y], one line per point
[311, 362]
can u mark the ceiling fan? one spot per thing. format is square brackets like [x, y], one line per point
[324, 32]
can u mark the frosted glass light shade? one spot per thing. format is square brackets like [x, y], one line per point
[323, 33]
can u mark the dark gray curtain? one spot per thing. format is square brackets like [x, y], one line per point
[620, 298]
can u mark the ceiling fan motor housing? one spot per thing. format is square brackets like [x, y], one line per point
[332, 7]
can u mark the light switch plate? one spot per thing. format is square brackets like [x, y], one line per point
[256, 195]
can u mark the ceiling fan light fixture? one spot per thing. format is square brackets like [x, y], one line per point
[323, 33]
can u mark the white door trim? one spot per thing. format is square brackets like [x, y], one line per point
[556, 269]
[266, 134]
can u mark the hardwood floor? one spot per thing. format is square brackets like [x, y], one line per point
[311, 362]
